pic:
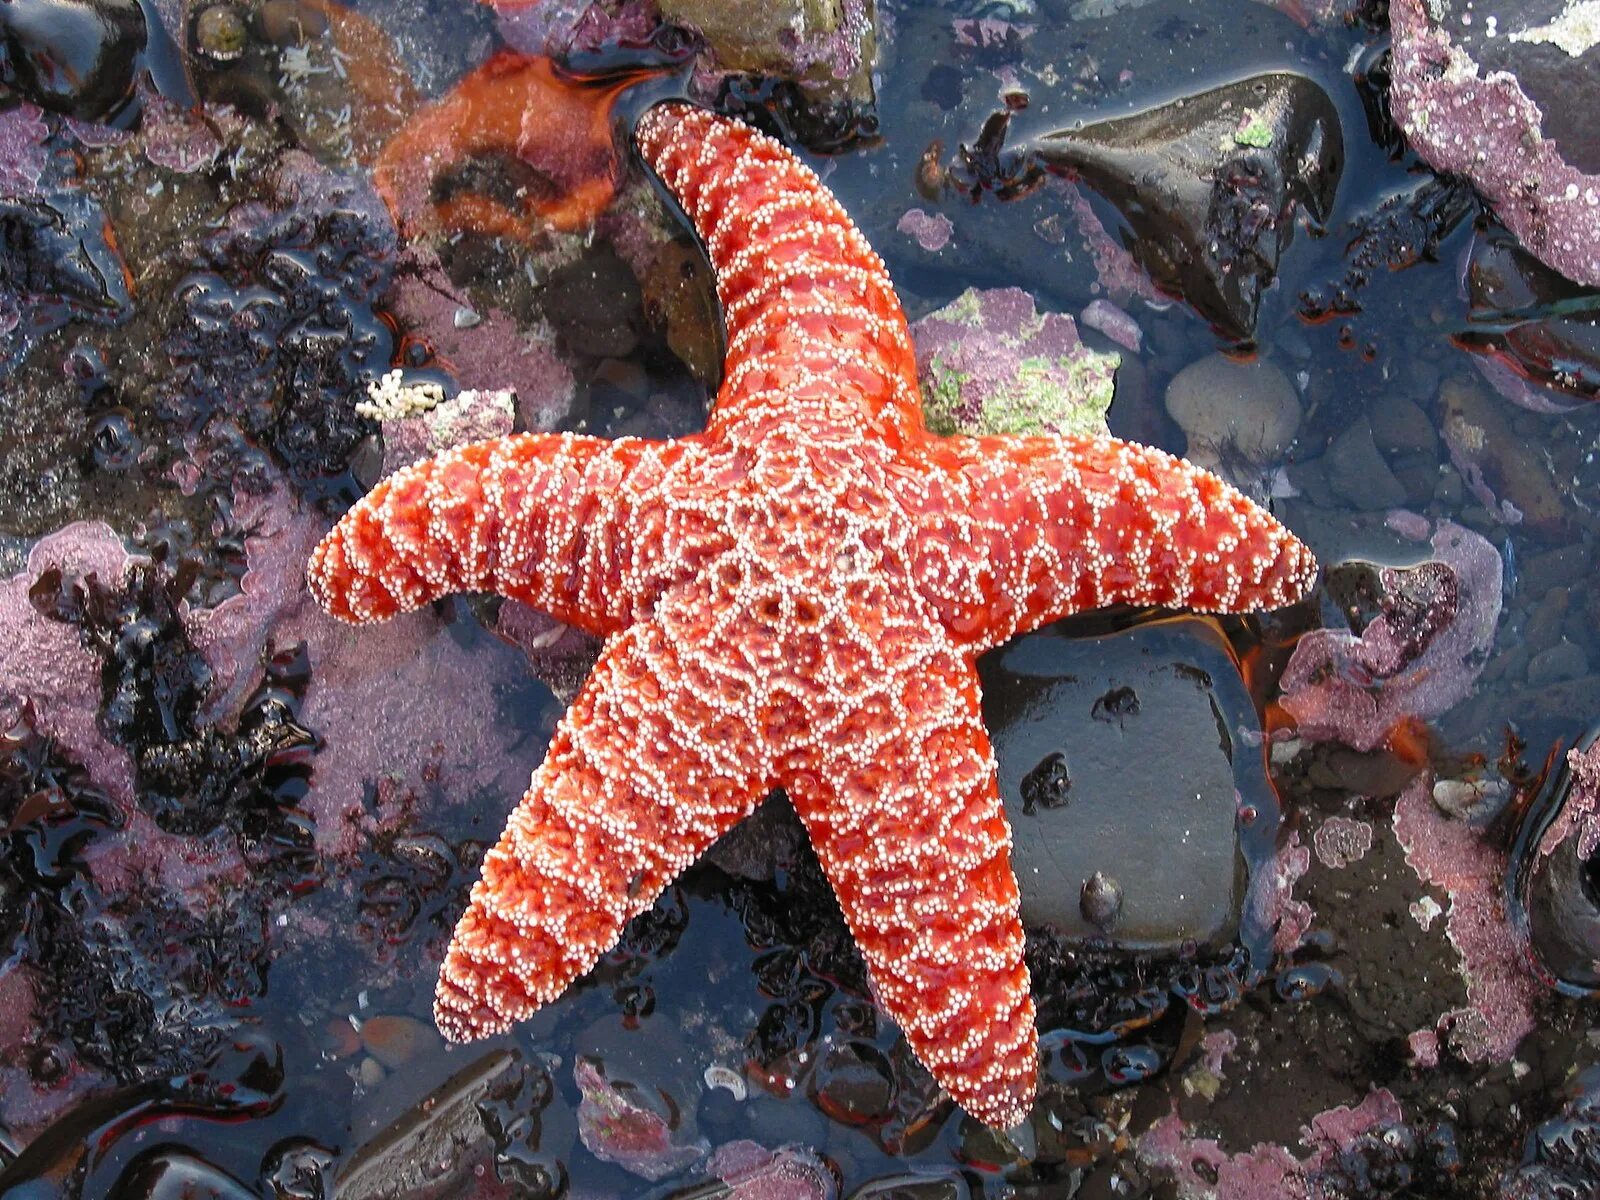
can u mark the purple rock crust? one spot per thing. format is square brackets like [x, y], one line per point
[1486, 128]
[1417, 659]
[1455, 855]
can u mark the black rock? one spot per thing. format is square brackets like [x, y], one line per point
[1151, 721]
[84, 57]
[1209, 185]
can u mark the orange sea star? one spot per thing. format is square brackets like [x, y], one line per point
[794, 598]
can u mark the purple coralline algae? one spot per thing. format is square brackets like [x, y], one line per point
[1114, 322]
[23, 156]
[1202, 1170]
[1487, 128]
[1340, 841]
[469, 416]
[44, 664]
[1278, 910]
[482, 348]
[1417, 658]
[931, 231]
[1455, 855]
[618, 1124]
[991, 363]
[365, 687]
[1580, 814]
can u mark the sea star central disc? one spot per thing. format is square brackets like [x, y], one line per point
[794, 598]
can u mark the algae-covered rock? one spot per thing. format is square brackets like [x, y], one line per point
[990, 362]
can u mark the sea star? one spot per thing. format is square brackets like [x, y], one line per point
[794, 598]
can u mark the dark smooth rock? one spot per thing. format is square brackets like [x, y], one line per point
[1554, 891]
[853, 1083]
[241, 1081]
[83, 57]
[166, 1173]
[74, 56]
[1209, 185]
[1150, 723]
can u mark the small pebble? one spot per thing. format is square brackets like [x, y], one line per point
[220, 33]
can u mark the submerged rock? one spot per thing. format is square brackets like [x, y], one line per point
[634, 1126]
[1209, 185]
[1504, 93]
[1541, 325]
[1239, 417]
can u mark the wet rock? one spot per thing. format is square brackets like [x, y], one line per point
[298, 1169]
[594, 304]
[1238, 416]
[1089, 705]
[1508, 475]
[1418, 654]
[1560, 662]
[853, 1083]
[1562, 1155]
[827, 45]
[680, 294]
[1357, 473]
[991, 363]
[241, 1082]
[1555, 872]
[394, 1040]
[1499, 93]
[165, 1173]
[1541, 325]
[433, 1145]
[1400, 426]
[1210, 185]
[56, 265]
[73, 56]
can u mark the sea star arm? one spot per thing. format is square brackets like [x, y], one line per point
[542, 518]
[644, 772]
[902, 804]
[815, 331]
[1015, 532]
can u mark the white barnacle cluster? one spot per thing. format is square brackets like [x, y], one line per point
[392, 398]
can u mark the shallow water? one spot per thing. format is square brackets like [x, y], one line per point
[238, 836]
